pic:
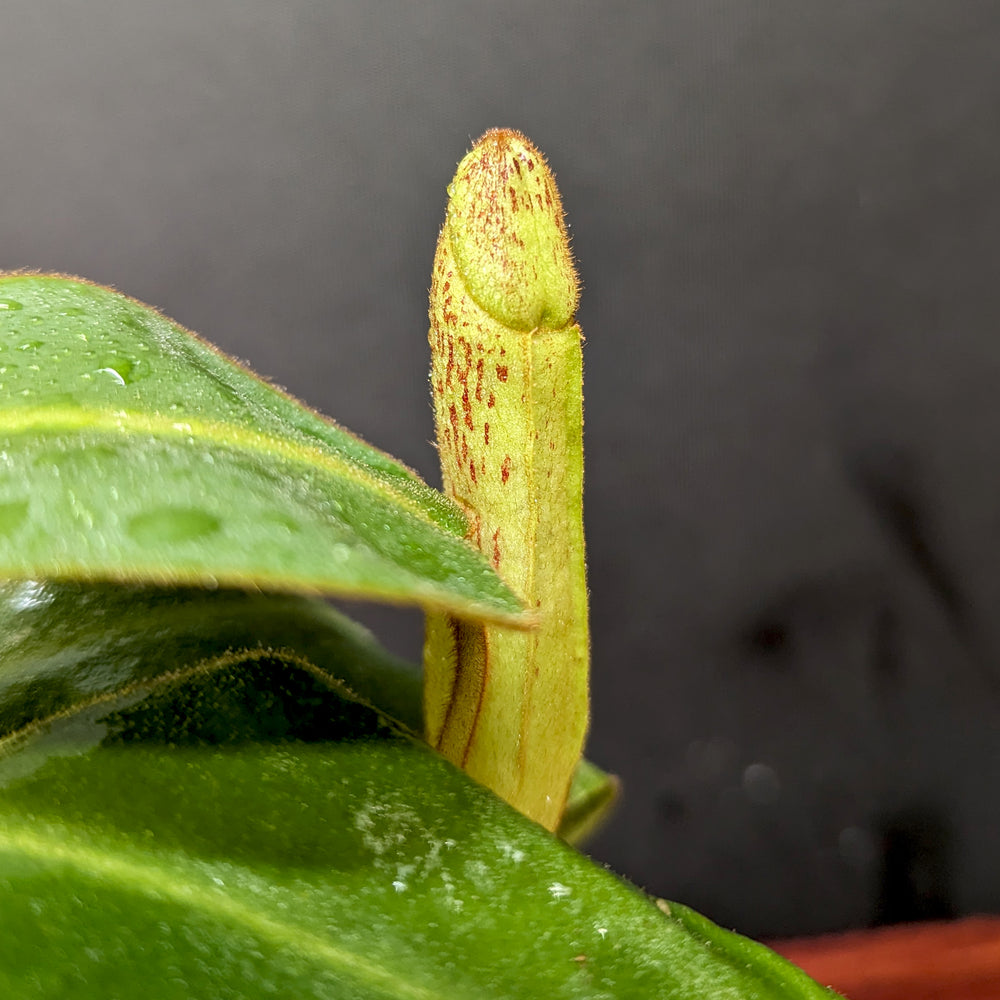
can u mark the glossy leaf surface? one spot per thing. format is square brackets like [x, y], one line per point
[235, 825]
[131, 450]
[64, 644]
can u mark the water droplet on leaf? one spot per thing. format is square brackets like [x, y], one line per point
[124, 370]
[116, 375]
[172, 524]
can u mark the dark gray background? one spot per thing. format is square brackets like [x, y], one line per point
[787, 219]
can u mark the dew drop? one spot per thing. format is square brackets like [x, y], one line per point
[114, 373]
[10, 305]
[123, 369]
[283, 521]
[172, 524]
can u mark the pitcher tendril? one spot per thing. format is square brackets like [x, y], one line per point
[510, 706]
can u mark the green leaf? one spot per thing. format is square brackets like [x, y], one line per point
[239, 826]
[63, 644]
[131, 450]
[592, 797]
[105, 630]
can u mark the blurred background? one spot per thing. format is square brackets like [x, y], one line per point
[786, 214]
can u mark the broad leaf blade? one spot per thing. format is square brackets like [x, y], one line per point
[337, 858]
[131, 450]
[65, 644]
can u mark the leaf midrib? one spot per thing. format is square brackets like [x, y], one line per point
[56, 420]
